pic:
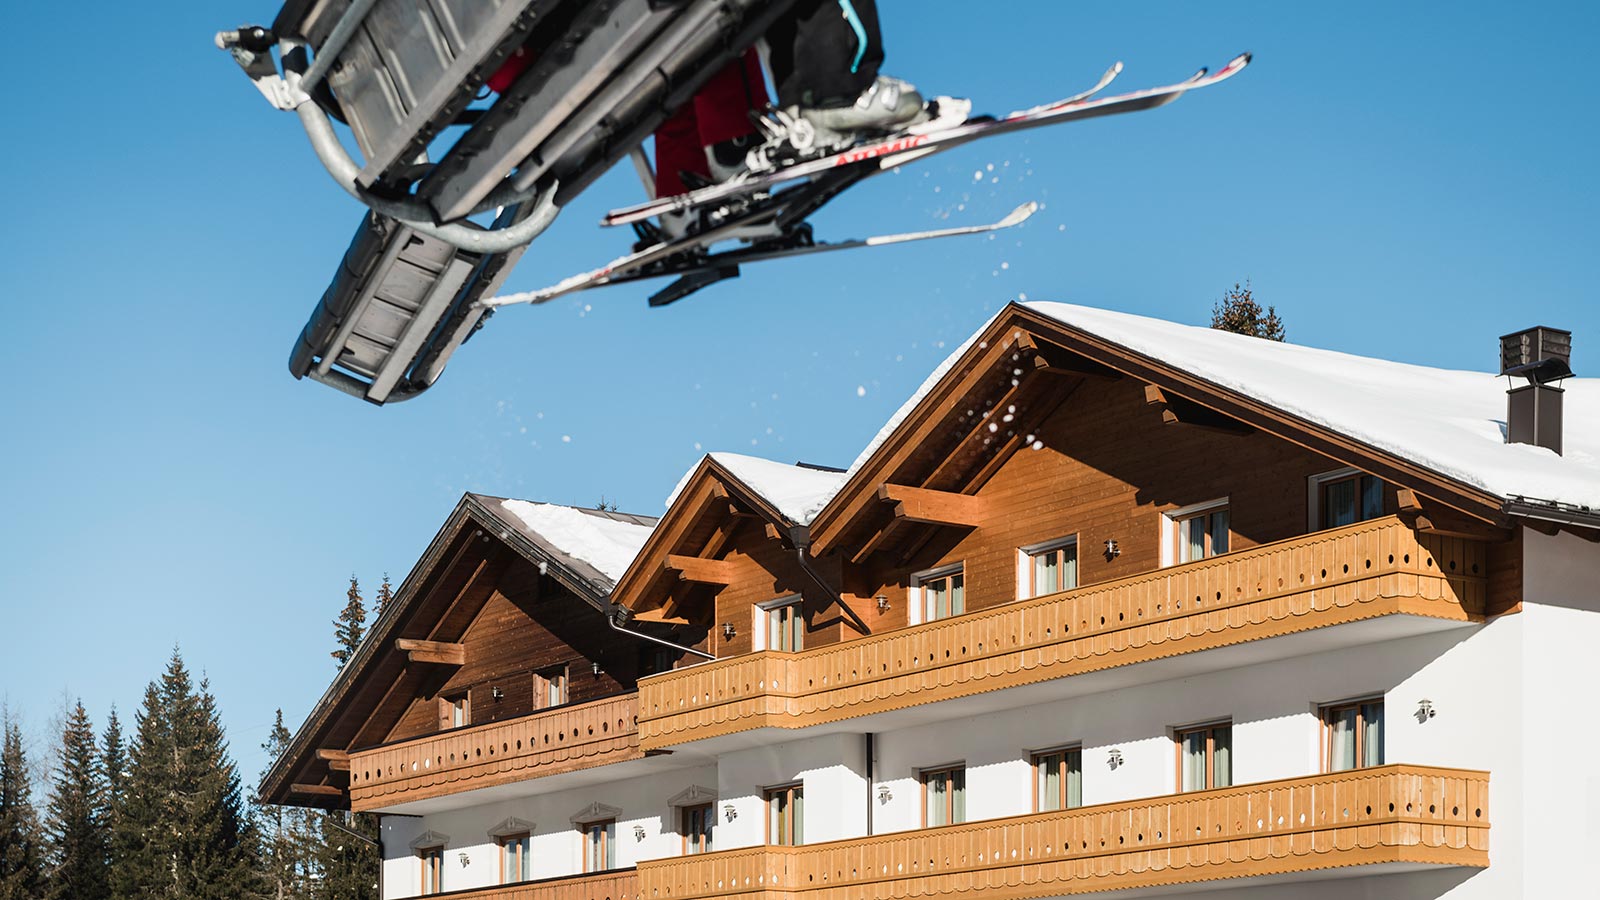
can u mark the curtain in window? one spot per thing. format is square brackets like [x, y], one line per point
[1046, 573]
[1372, 734]
[1069, 567]
[958, 603]
[1342, 739]
[1222, 756]
[1195, 543]
[1371, 498]
[1339, 501]
[1194, 761]
[1219, 532]
[1049, 778]
[937, 801]
[1074, 779]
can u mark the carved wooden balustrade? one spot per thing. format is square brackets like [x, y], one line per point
[553, 741]
[618, 884]
[1386, 814]
[1362, 571]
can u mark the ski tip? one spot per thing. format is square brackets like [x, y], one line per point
[1019, 215]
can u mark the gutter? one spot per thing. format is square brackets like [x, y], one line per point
[1552, 511]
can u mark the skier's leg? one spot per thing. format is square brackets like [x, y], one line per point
[678, 150]
[825, 57]
[722, 111]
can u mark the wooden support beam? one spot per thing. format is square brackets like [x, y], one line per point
[934, 507]
[656, 615]
[739, 512]
[882, 539]
[432, 652]
[1178, 411]
[1057, 360]
[316, 790]
[700, 571]
[1411, 510]
[337, 760]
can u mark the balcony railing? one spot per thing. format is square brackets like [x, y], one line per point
[562, 739]
[1388, 814]
[1362, 571]
[619, 884]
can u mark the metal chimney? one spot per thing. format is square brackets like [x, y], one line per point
[1533, 410]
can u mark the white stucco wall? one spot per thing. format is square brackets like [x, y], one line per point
[556, 844]
[831, 767]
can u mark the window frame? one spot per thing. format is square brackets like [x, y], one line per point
[1172, 537]
[788, 607]
[1027, 583]
[954, 777]
[1066, 752]
[1209, 727]
[453, 706]
[607, 830]
[524, 844]
[919, 596]
[706, 839]
[542, 680]
[793, 814]
[433, 853]
[1325, 714]
[1316, 492]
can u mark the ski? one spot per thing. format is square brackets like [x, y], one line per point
[701, 269]
[900, 148]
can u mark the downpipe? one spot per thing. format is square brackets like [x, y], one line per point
[620, 614]
[800, 536]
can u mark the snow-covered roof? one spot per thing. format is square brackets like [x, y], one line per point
[605, 542]
[797, 492]
[1449, 421]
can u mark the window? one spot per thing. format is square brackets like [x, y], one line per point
[1051, 567]
[1352, 735]
[550, 687]
[1196, 532]
[654, 660]
[1058, 779]
[514, 862]
[600, 845]
[943, 593]
[786, 815]
[785, 625]
[455, 710]
[1205, 757]
[697, 824]
[432, 869]
[944, 796]
[1344, 497]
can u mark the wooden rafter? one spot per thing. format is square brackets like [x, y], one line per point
[337, 760]
[1178, 411]
[929, 507]
[441, 653]
[699, 570]
[885, 536]
[316, 790]
[656, 615]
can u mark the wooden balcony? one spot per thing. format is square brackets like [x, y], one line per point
[551, 742]
[1407, 816]
[1342, 575]
[618, 884]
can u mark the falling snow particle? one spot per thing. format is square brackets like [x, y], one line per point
[861, 390]
[697, 445]
[977, 176]
[1005, 265]
[1022, 297]
[566, 439]
[1038, 445]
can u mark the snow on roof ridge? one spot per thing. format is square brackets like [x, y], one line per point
[1448, 420]
[795, 491]
[607, 544]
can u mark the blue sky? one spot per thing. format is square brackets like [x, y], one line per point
[1401, 180]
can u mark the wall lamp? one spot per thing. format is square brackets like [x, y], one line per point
[1425, 710]
[729, 813]
[884, 795]
[465, 859]
[595, 667]
[1115, 758]
[728, 631]
[496, 694]
[1112, 550]
[883, 603]
[638, 832]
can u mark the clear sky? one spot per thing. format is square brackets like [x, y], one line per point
[1401, 180]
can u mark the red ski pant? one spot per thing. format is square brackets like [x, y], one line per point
[719, 112]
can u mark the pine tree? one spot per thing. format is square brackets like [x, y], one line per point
[1239, 313]
[288, 838]
[76, 842]
[385, 595]
[348, 865]
[351, 624]
[113, 765]
[181, 830]
[21, 865]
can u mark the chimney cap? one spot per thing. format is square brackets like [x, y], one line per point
[1541, 354]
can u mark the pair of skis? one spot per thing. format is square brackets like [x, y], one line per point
[761, 199]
